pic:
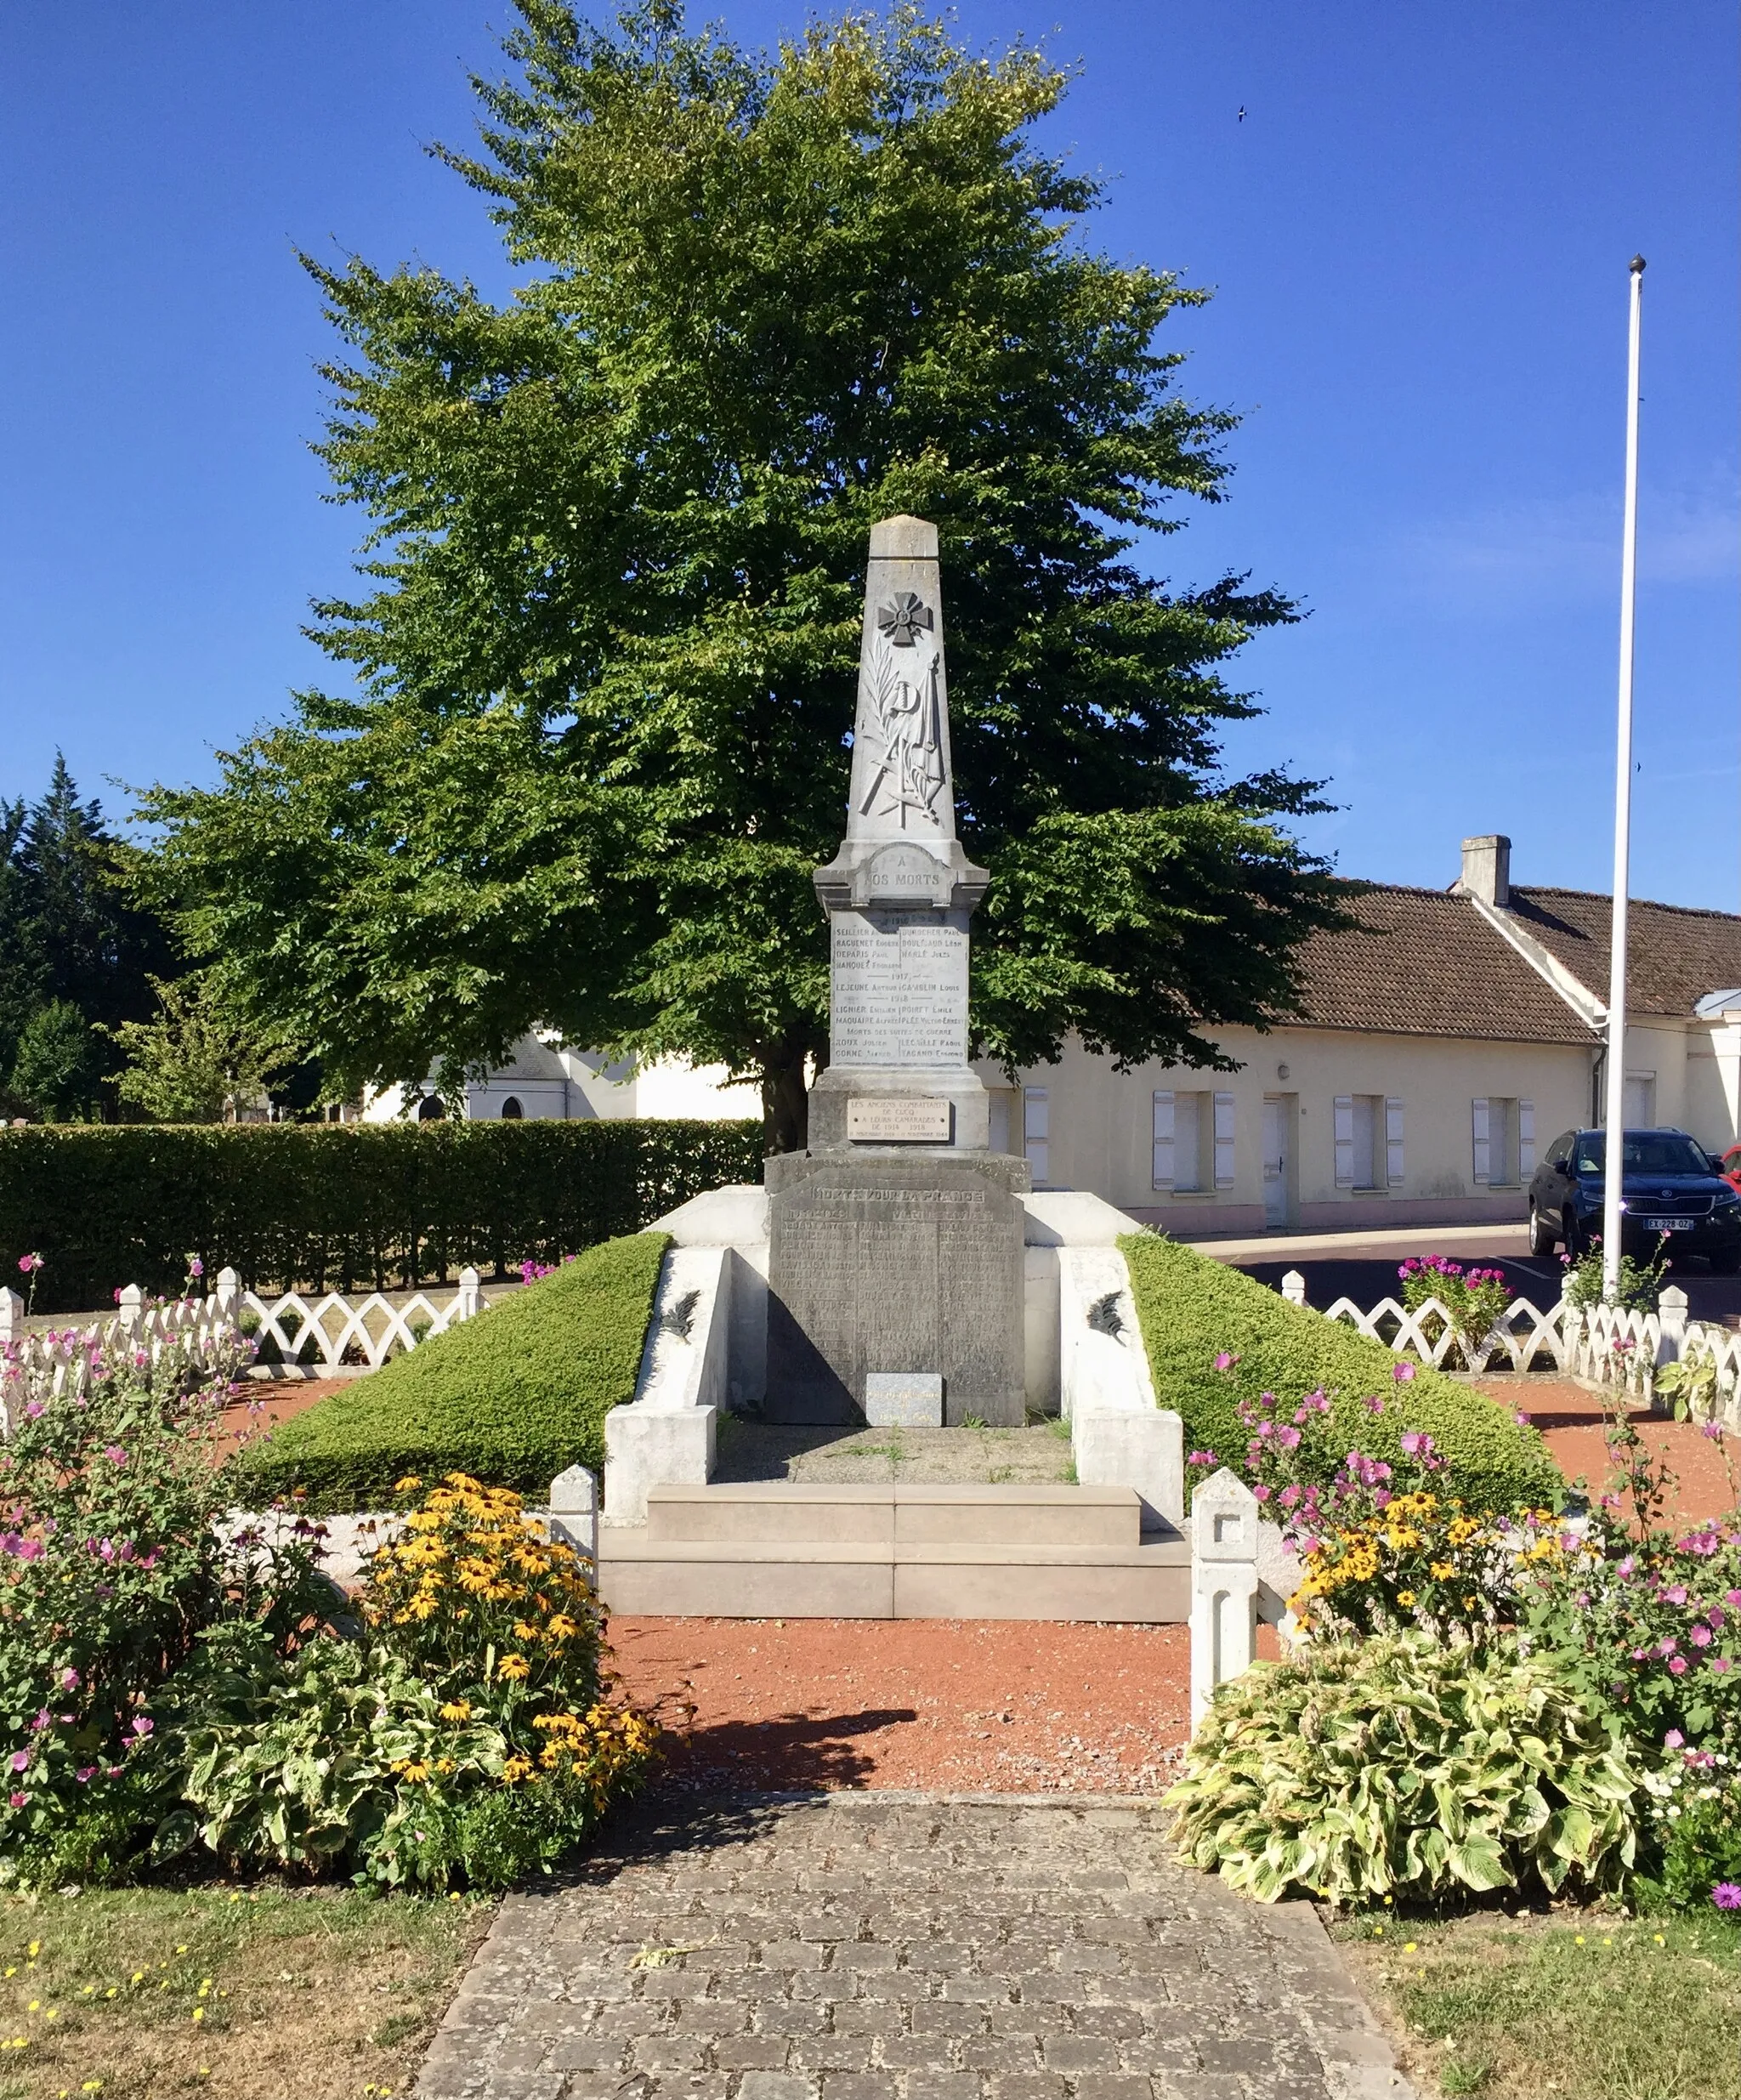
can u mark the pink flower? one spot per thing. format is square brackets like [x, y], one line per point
[1261, 1492]
[1674, 1738]
[1521, 1419]
[1719, 1663]
[1701, 1636]
[1202, 1458]
[40, 1721]
[1287, 1436]
[17, 1800]
[1677, 1665]
[195, 1266]
[143, 1725]
[1677, 1595]
[30, 1264]
[1401, 1373]
[114, 1455]
[20, 1760]
[1373, 1404]
[69, 1677]
[1225, 1360]
[85, 1774]
[1725, 1895]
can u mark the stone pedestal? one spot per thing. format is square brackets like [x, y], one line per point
[881, 1261]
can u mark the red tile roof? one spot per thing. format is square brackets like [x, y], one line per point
[1425, 962]
[1674, 954]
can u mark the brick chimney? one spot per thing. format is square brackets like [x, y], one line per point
[1487, 869]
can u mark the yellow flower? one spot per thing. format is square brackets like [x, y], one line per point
[1405, 1598]
[457, 1710]
[199, 2013]
[404, 1486]
[514, 1668]
[516, 1769]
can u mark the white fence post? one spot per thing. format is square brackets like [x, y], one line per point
[471, 1295]
[11, 1315]
[132, 1308]
[574, 1510]
[1294, 1287]
[1223, 1586]
[228, 1290]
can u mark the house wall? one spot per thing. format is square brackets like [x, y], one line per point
[663, 1092]
[1100, 1124]
[1713, 1082]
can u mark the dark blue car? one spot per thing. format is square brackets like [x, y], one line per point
[1671, 1191]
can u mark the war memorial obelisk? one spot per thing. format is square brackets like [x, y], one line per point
[896, 1238]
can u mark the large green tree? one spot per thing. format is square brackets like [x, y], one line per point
[604, 664]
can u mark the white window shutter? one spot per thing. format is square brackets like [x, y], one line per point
[1224, 1163]
[1526, 1140]
[1394, 1141]
[1345, 1140]
[1481, 1123]
[1163, 1137]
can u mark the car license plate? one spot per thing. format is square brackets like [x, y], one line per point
[1667, 1225]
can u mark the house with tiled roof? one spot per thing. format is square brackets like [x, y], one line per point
[1442, 1038]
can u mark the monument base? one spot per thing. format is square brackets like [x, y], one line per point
[847, 1099]
[886, 1261]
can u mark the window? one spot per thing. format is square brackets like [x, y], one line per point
[1192, 1137]
[1502, 1141]
[1036, 1135]
[432, 1109]
[1369, 1141]
[512, 1112]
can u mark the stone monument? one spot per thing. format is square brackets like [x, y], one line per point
[895, 1240]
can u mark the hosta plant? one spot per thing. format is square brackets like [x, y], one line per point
[1402, 1768]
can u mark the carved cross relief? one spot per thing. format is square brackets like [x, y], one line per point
[904, 724]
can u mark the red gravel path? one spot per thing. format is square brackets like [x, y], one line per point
[1007, 1707]
[1572, 1420]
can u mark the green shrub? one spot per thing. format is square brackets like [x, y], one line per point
[1193, 1309]
[1402, 1768]
[1698, 1838]
[513, 1397]
[339, 1206]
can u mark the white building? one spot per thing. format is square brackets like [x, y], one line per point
[542, 1083]
[1440, 1048]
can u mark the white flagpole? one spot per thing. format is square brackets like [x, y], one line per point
[1614, 1149]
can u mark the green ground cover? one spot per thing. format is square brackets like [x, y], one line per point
[513, 1397]
[1193, 1309]
[1583, 2006]
[300, 1994]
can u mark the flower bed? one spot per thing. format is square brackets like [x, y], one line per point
[175, 1688]
[1564, 1686]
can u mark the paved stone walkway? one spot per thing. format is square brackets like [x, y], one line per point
[859, 1946]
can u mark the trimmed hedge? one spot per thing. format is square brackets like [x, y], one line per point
[513, 1397]
[324, 1206]
[1192, 1309]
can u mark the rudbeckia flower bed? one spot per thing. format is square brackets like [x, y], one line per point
[1517, 1696]
[175, 1690]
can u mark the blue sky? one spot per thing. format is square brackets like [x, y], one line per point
[1417, 238]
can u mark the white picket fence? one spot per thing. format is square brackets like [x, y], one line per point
[1610, 1345]
[313, 1333]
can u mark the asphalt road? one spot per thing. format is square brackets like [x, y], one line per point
[1536, 1278]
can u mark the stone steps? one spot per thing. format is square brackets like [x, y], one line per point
[776, 1549]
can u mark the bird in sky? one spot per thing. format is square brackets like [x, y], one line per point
[1242, 112]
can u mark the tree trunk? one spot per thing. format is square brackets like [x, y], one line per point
[785, 1098]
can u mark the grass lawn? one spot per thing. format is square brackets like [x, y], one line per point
[1582, 2005]
[294, 1994]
